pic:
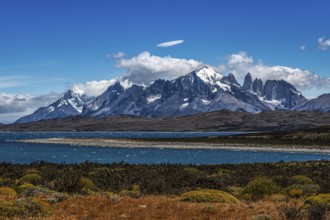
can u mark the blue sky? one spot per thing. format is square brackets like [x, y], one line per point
[49, 45]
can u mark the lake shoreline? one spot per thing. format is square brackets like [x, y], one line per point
[136, 143]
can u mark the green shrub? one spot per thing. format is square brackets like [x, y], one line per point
[208, 195]
[278, 198]
[32, 171]
[209, 209]
[192, 170]
[6, 191]
[32, 178]
[321, 199]
[291, 211]
[317, 212]
[261, 187]
[25, 186]
[87, 184]
[262, 217]
[302, 180]
[133, 192]
[9, 209]
[235, 191]
[34, 206]
[299, 190]
[57, 197]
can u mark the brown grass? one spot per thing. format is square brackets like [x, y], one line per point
[159, 207]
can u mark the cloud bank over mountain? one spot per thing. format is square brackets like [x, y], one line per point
[13, 106]
[145, 67]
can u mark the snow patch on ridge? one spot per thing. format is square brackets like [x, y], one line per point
[153, 98]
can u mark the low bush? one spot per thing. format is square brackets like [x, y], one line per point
[9, 209]
[235, 191]
[279, 198]
[261, 187]
[299, 190]
[34, 206]
[291, 211]
[133, 192]
[6, 191]
[209, 209]
[301, 179]
[262, 217]
[87, 185]
[317, 212]
[57, 197]
[321, 199]
[208, 195]
[32, 178]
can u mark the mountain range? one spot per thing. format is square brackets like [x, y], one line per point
[203, 90]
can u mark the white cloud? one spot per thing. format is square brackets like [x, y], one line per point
[12, 81]
[96, 88]
[302, 47]
[119, 55]
[240, 64]
[116, 55]
[145, 68]
[170, 43]
[14, 106]
[324, 44]
[92, 88]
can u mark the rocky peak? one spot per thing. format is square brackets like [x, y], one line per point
[247, 85]
[257, 86]
[208, 75]
[230, 79]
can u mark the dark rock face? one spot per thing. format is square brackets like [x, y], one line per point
[257, 86]
[247, 85]
[104, 100]
[283, 91]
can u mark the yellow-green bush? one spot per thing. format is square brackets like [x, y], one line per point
[278, 198]
[208, 195]
[32, 171]
[299, 190]
[192, 170]
[6, 191]
[87, 185]
[261, 187]
[235, 191]
[34, 206]
[32, 178]
[321, 199]
[9, 209]
[133, 192]
[25, 186]
[262, 217]
[301, 179]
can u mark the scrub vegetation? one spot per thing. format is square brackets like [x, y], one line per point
[168, 191]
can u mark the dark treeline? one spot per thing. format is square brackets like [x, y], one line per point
[161, 179]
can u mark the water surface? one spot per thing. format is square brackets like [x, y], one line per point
[60, 153]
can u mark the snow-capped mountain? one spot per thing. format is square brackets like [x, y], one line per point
[199, 91]
[321, 103]
[69, 105]
[202, 90]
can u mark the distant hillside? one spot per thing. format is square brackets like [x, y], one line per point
[211, 121]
